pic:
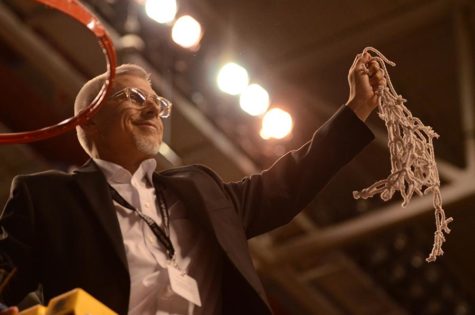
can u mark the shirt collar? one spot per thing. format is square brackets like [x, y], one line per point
[116, 174]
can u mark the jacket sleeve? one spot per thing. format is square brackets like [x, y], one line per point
[17, 242]
[272, 198]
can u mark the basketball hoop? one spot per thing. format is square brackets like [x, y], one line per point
[80, 13]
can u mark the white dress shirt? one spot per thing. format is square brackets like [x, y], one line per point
[196, 253]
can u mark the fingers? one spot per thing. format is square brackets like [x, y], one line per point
[376, 74]
[365, 58]
[366, 66]
[374, 69]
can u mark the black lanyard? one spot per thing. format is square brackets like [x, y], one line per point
[163, 235]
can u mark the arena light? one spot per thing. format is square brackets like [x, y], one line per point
[161, 11]
[186, 32]
[232, 78]
[254, 100]
[276, 124]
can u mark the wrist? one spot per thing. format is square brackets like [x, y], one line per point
[361, 109]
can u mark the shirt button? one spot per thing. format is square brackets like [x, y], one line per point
[147, 205]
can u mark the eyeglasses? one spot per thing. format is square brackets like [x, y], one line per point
[140, 98]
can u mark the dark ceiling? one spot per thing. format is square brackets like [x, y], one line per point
[340, 256]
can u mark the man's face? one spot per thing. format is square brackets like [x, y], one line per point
[124, 126]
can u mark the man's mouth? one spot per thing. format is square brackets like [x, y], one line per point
[147, 124]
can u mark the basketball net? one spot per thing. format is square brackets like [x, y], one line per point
[413, 166]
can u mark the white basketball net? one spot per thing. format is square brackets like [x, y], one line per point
[413, 167]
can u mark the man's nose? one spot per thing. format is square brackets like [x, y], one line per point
[151, 109]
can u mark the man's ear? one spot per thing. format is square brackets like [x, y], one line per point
[89, 126]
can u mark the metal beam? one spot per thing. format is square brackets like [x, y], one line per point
[354, 230]
[308, 298]
[348, 293]
[465, 66]
[299, 284]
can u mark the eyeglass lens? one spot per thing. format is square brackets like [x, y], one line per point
[137, 97]
[140, 98]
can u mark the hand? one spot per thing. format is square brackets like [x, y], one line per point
[365, 77]
[9, 311]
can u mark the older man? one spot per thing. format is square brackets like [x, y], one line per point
[173, 242]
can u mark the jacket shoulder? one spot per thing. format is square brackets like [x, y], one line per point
[193, 170]
[44, 177]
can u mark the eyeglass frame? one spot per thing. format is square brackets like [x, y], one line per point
[164, 105]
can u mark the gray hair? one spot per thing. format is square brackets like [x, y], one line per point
[92, 87]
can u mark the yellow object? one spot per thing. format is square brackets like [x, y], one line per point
[74, 302]
[35, 310]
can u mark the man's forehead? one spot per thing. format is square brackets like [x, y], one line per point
[132, 81]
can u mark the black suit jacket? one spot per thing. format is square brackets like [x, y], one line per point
[63, 231]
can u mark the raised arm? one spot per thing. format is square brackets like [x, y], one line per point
[273, 197]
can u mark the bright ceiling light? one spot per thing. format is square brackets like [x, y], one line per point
[186, 32]
[232, 78]
[162, 11]
[254, 100]
[276, 124]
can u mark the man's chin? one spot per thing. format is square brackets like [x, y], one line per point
[148, 146]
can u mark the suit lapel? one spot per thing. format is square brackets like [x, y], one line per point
[187, 192]
[216, 216]
[94, 185]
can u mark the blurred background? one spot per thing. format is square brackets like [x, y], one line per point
[252, 79]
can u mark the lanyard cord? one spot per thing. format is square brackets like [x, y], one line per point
[162, 234]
